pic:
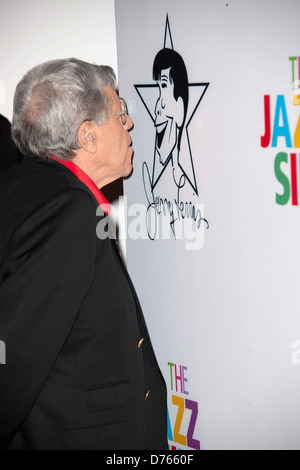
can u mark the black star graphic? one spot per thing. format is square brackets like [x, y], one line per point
[148, 94]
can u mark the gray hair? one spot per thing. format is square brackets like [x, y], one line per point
[51, 102]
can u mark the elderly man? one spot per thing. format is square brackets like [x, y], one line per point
[80, 370]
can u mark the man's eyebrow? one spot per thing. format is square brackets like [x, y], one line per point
[164, 77]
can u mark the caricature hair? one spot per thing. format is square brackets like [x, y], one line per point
[170, 59]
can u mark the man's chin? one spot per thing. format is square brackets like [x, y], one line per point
[128, 171]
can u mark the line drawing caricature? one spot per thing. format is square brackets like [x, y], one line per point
[171, 103]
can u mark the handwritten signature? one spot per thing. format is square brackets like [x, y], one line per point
[176, 211]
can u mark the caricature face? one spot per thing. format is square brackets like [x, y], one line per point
[169, 114]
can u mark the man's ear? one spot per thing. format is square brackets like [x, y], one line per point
[86, 136]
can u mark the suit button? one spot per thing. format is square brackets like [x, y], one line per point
[147, 395]
[140, 342]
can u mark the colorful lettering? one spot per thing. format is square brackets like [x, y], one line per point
[288, 177]
[278, 129]
[191, 442]
[184, 380]
[294, 185]
[171, 367]
[186, 409]
[297, 135]
[179, 401]
[286, 166]
[169, 427]
[281, 130]
[179, 377]
[293, 59]
[266, 138]
[283, 198]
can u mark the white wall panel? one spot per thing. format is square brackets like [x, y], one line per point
[228, 312]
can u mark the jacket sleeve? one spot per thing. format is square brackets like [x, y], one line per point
[48, 271]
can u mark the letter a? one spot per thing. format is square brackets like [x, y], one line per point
[284, 130]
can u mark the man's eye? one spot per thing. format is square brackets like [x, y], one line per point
[164, 85]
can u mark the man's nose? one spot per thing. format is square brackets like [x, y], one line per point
[129, 123]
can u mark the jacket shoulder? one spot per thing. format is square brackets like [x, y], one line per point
[26, 187]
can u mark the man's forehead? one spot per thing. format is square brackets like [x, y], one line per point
[113, 98]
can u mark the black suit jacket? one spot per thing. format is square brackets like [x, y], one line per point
[77, 375]
[9, 154]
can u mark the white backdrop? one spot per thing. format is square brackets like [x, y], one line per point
[34, 31]
[224, 318]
